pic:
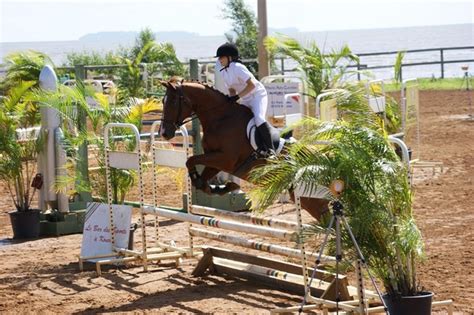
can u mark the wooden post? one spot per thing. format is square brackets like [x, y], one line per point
[263, 67]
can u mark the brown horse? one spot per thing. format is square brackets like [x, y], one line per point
[225, 143]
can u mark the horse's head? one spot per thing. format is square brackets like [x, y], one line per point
[176, 108]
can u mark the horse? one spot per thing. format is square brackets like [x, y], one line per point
[225, 143]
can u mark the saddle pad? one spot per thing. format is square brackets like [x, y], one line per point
[278, 142]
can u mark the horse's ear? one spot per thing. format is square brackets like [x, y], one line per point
[168, 84]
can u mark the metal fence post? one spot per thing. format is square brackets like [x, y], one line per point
[196, 125]
[442, 63]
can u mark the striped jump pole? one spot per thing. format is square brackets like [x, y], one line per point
[227, 225]
[252, 244]
[246, 218]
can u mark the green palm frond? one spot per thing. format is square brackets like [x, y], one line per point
[377, 196]
[398, 66]
[70, 102]
[321, 70]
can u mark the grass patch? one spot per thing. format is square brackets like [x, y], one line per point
[435, 84]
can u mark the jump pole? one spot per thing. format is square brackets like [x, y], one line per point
[223, 224]
[245, 218]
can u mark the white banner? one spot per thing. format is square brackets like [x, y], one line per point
[276, 98]
[96, 238]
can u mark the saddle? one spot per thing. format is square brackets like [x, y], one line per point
[256, 141]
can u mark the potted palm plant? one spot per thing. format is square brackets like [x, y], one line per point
[377, 199]
[19, 146]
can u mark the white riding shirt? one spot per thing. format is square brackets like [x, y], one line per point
[235, 76]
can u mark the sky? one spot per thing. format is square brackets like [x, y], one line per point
[54, 20]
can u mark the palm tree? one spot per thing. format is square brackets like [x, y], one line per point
[377, 196]
[322, 70]
[71, 101]
[24, 66]
[18, 116]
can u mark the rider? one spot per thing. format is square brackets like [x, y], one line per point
[242, 85]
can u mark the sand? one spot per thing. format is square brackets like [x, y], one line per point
[41, 276]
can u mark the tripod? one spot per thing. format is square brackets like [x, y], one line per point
[338, 218]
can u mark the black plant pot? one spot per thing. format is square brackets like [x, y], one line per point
[25, 224]
[409, 305]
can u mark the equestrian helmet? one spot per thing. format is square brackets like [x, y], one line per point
[227, 49]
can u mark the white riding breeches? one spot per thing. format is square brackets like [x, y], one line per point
[257, 102]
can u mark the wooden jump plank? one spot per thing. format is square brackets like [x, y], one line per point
[274, 273]
[270, 263]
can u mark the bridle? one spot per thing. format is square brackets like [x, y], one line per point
[179, 103]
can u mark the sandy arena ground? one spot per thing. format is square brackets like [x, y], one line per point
[41, 276]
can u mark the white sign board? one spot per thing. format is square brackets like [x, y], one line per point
[96, 237]
[377, 103]
[276, 98]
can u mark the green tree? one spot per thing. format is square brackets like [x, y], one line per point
[245, 30]
[397, 67]
[19, 145]
[162, 53]
[321, 70]
[23, 66]
[92, 58]
[160, 60]
[68, 101]
[377, 197]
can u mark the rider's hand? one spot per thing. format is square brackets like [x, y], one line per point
[233, 98]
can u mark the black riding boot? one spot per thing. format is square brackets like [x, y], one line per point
[265, 134]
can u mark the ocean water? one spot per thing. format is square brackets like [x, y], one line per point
[360, 41]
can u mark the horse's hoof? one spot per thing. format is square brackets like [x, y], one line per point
[217, 189]
[231, 186]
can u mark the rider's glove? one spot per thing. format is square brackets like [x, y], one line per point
[233, 98]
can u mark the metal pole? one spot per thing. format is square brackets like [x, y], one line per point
[196, 125]
[263, 66]
[442, 63]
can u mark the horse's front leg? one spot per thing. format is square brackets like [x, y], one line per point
[213, 162]
[206, 175]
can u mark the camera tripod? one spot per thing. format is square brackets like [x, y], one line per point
[338, 219]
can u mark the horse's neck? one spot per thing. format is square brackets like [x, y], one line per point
[209, 106]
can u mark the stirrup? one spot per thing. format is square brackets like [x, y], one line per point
[267, 154]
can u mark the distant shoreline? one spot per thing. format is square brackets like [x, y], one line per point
[193, 46]
[169, 35]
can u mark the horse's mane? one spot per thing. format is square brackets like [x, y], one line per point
[177, 79]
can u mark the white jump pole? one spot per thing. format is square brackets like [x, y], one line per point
[252, 244]
[245, 218]
[227, 225]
